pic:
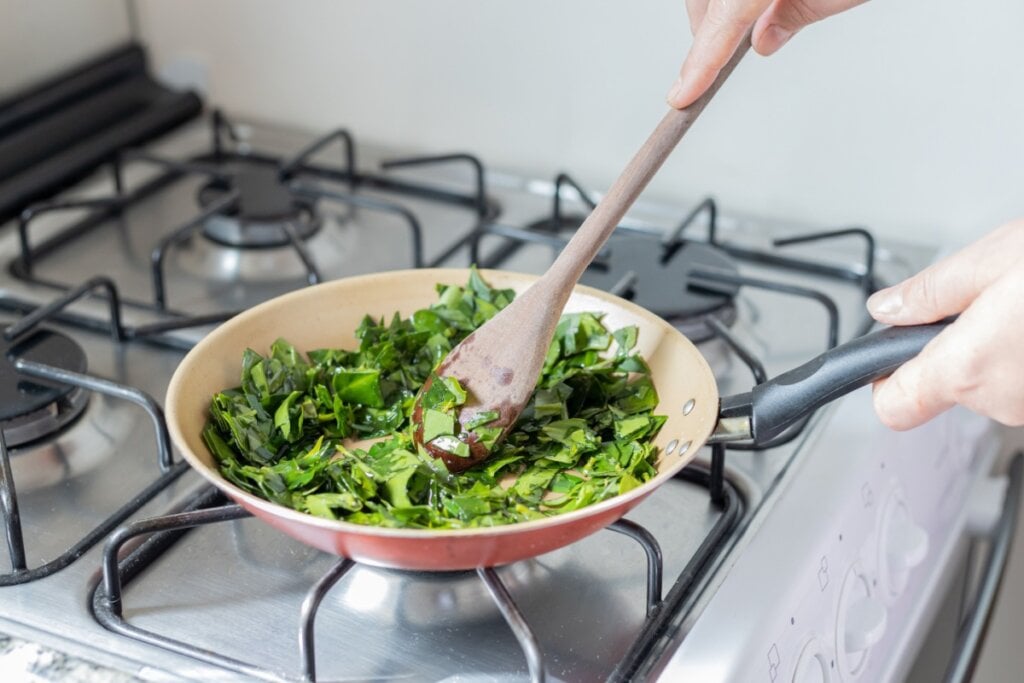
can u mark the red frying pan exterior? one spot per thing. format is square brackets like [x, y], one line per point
[326, 316]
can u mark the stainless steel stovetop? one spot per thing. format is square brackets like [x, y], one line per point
[236, 588]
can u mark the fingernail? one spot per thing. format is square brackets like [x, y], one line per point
[774, 37]
[675, 92]
[886, 302]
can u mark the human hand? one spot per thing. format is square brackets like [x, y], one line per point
[718, 26]
[978, 361]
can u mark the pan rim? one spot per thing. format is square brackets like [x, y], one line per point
[212, 475]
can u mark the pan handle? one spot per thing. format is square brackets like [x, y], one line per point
[774, 405]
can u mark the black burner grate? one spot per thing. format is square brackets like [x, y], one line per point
[208, 507]
[55, 364]
[255, 200]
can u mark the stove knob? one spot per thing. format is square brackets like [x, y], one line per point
[907, 543]
[811, 666]
[860, 625]
[985, 504]
[904, 545]
[865, 624]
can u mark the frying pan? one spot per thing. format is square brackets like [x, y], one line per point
[327, 315]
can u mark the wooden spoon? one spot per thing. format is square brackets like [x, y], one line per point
[500, 362]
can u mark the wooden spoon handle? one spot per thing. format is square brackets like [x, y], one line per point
[594, 232]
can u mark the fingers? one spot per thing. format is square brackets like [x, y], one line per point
[916, 392]
[785, 17]
[778, 24]
[723, 25]
[719, 26]
[975, 362]
[695, 10]
[950, 285]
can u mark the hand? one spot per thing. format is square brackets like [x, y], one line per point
[978, 361]
[719, 25]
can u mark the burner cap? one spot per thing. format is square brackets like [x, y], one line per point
[33, 408]
[263, 208]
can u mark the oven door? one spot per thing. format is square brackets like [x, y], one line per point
[952, 649]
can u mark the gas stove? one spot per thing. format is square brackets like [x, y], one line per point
[117, 552]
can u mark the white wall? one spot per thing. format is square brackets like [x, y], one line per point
[40, 38]
[905, 115]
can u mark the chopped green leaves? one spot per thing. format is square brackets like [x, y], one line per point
[481, 418]
[325, 504]
[444, 429]
[449, 443]
[436, 423]
[439, 419]
[584, 437]
[488, 436]
[625, 339]
[359, 386]
[444, 394]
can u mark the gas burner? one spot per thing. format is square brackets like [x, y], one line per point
[264, 209]
[31, 409]
[657, 276]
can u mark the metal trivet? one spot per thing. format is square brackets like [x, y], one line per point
[37, 368]
[208, 507]
[243, 203]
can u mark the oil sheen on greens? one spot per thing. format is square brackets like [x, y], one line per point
[585, 435]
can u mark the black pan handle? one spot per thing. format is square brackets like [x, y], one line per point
[781, 401]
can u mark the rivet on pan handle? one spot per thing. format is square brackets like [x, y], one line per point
[769, 408]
